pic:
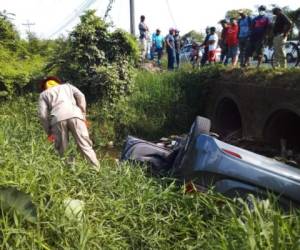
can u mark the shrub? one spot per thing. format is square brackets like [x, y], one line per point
[16, 73]
[98, 61]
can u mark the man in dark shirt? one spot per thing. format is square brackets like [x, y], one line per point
[177, 46]
[204, 58]
[244, 32]
[282, 27]
[170, 45]
[222, 42]
[258, 33]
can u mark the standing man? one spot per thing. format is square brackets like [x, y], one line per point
[222, 42]
[244, 33]
[143, 28]
[62, 109]
[158, 44]
[177, 47]
[259, 29]
[232, 41]
[205, 44]
[212, 45]
[281, 29]
[170, 45]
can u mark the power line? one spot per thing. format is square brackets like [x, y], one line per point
[74, 11]
[82, 7]
[108, 9]
[170, 13]
[72, 17]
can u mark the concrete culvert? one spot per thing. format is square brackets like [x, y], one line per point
[228, 119]
[283, 124]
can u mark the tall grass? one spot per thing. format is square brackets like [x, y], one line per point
[162, 103]
[124, 207]
[165, 103]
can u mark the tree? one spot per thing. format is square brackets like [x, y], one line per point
[8, 32]
[235, 13]
[193, 36]
[98, 61]
[293, 14]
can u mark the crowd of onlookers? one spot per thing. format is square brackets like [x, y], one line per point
[239, 39]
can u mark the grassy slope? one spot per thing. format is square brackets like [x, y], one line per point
[124, 207]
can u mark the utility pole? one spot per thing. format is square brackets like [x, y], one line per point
[7, 16]
[132, 17]
[28, 24]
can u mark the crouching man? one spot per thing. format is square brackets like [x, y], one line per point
[62, 109]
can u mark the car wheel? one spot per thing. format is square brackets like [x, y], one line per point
[202, 125]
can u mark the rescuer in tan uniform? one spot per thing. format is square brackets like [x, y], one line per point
[62, 108]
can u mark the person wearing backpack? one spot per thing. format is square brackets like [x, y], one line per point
[244, 32]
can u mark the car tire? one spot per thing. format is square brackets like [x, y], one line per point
[202, 125]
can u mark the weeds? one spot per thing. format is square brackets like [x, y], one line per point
[124, 208]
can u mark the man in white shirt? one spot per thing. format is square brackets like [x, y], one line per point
[62, 108]
[212, 45]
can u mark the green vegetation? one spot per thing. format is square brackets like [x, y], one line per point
[166, 103]
[160, 104]
[235, 13]
[21, 61]
[96, 60]
[124, 207]
[193, 36]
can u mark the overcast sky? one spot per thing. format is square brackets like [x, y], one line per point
[50, 15]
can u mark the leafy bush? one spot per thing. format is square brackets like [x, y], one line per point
[21, 61]
[16, 73]
[8, 33]
[98, 61]
[160, 104]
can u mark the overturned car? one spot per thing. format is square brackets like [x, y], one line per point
[205, 161]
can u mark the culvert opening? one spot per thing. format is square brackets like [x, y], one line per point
[283, 127]
[228, 120]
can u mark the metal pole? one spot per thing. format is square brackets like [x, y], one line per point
[28, 24]
[132, 18]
